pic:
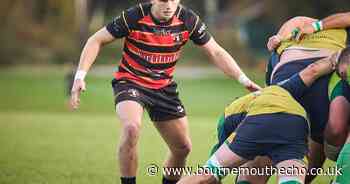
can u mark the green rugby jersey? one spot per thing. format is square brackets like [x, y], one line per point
[336, 87]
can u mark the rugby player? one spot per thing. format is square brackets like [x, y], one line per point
[154, 34]
[270, 123]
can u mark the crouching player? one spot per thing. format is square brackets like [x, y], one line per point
[267, 123]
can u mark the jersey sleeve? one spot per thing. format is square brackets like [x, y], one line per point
[122, 25]
[118, 27]
[295, 86]
[272, 62]
[199, 33]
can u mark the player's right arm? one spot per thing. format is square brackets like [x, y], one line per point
[118, 28]
[92, 48]
[87, 58]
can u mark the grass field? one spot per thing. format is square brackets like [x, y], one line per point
[42, 142]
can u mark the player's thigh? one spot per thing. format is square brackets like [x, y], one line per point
[175, 133]
[130, 115]
[129, 112]
[128, 100]
[226, 158]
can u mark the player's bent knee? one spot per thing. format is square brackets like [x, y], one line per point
[131, 131]
[183, 150]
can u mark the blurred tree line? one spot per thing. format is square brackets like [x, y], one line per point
[53, 31]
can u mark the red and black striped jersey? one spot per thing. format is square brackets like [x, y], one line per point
[152, 48]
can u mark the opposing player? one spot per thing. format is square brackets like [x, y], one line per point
[154, 36]
[267, 123]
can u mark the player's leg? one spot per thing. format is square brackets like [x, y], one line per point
[176, 134]
[169, 116]
[128, 100]
[226, 129]
[130, 116]
[259, 162]
[290, 161]
[336, 130]
[297, 174]
[316, 158]
[215, 168]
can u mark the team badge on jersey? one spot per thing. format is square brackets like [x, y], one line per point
[178, 38]
[133, 93]
[180, 108]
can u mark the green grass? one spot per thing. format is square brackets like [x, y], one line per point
[42, 142]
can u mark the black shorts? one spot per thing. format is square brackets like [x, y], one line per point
[280, 136]
[162, 104]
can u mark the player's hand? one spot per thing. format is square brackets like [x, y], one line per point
[274, 42]
[252, 87]
[78, 87]
[303, 31]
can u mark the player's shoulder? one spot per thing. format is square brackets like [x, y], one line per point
[137, 11]
[188, 16]
[186, 13]
[336, 87]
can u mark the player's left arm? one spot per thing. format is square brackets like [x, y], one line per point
[299, 83]
[319, 68]
[224, 61]
[200, 36]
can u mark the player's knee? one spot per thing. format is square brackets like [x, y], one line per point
[186, 149]
[183, 150]
[131, 131]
